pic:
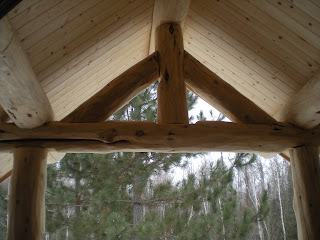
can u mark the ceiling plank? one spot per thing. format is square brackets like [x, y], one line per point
[21, 95]
[167, 11]
[148, 136]
[221, 95]
[303, 109]
[118, 92]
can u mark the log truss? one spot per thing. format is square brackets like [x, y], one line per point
[84, 131]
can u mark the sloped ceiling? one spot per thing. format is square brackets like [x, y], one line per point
[267, 49]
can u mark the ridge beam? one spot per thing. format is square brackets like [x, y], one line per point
[167, 11]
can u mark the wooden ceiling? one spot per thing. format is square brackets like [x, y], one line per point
[267, 50]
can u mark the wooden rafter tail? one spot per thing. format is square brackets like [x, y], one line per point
[21, 95]
[172, 100]
[167, 11]
[118, 92]
[149, 136]
[221, 95]
[303, 109]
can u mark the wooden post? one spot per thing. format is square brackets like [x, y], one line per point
[172, 100]
[27, 194]
[305, 167]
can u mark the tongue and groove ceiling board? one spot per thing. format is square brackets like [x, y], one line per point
[267, 50]
[77, 46]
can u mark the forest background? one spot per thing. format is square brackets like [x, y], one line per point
[166, 196]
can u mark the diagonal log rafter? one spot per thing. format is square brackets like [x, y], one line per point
[118, 92]
[221, 95]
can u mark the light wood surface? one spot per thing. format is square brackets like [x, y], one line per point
[117, 93]
[303, 109]
[172, 100]
[167, 11]
[27, 194]
[148, 136]
[21, 95]
[221, 95]
[305, 167]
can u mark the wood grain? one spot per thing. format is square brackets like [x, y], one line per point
[167, 11]
[21, 95]
[221, 95]
[303, 109]
[305, 167]
[149, 136]
[172, 99]
[118, 92]
[27, 194]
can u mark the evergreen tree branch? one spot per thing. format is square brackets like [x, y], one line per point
[161, 201]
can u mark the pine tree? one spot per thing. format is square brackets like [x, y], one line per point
[202, 206]
[86, 189]
[3, 208]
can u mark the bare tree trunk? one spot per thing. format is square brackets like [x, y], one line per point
[280, 200]
[221, 215]
[137, 198]
[253, 199]
[260, 167]
[257, 205]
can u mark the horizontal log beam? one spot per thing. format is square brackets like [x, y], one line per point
[221, 95]
[118, 92]
[147, 136]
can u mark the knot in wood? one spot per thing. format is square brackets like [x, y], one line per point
[166, 76]
[108, 136]
[171, 29]
[139, 133]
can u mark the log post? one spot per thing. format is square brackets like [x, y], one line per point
[23, 99]
[305, 167]
[27, 194]
[172, 100]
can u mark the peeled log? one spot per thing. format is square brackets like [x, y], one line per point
[305, 167]
[21, 95]
[27, 194]
[151, 137]
[118, 92]
[221, 95]
[172, 100]
[167, 11]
